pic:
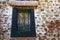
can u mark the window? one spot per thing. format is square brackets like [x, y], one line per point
[23, 23]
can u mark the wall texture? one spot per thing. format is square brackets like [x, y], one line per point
[47, 18]
[47, 21]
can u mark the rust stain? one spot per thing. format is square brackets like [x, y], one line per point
[46, 0]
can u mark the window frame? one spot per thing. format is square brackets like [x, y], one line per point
[31, 33]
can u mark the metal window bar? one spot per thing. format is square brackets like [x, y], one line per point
[24, 22]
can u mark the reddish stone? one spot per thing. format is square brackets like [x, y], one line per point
[24, 38]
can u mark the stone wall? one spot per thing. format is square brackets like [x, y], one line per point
[47, 18]
[47, 21]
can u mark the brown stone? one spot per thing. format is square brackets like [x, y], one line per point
[58, 0]
[46, 0]
[24, 38]
[53, 39]
[58, 38]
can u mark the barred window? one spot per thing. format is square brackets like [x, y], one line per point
[24, 21]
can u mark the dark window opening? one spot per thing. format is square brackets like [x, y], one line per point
[23, 23]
